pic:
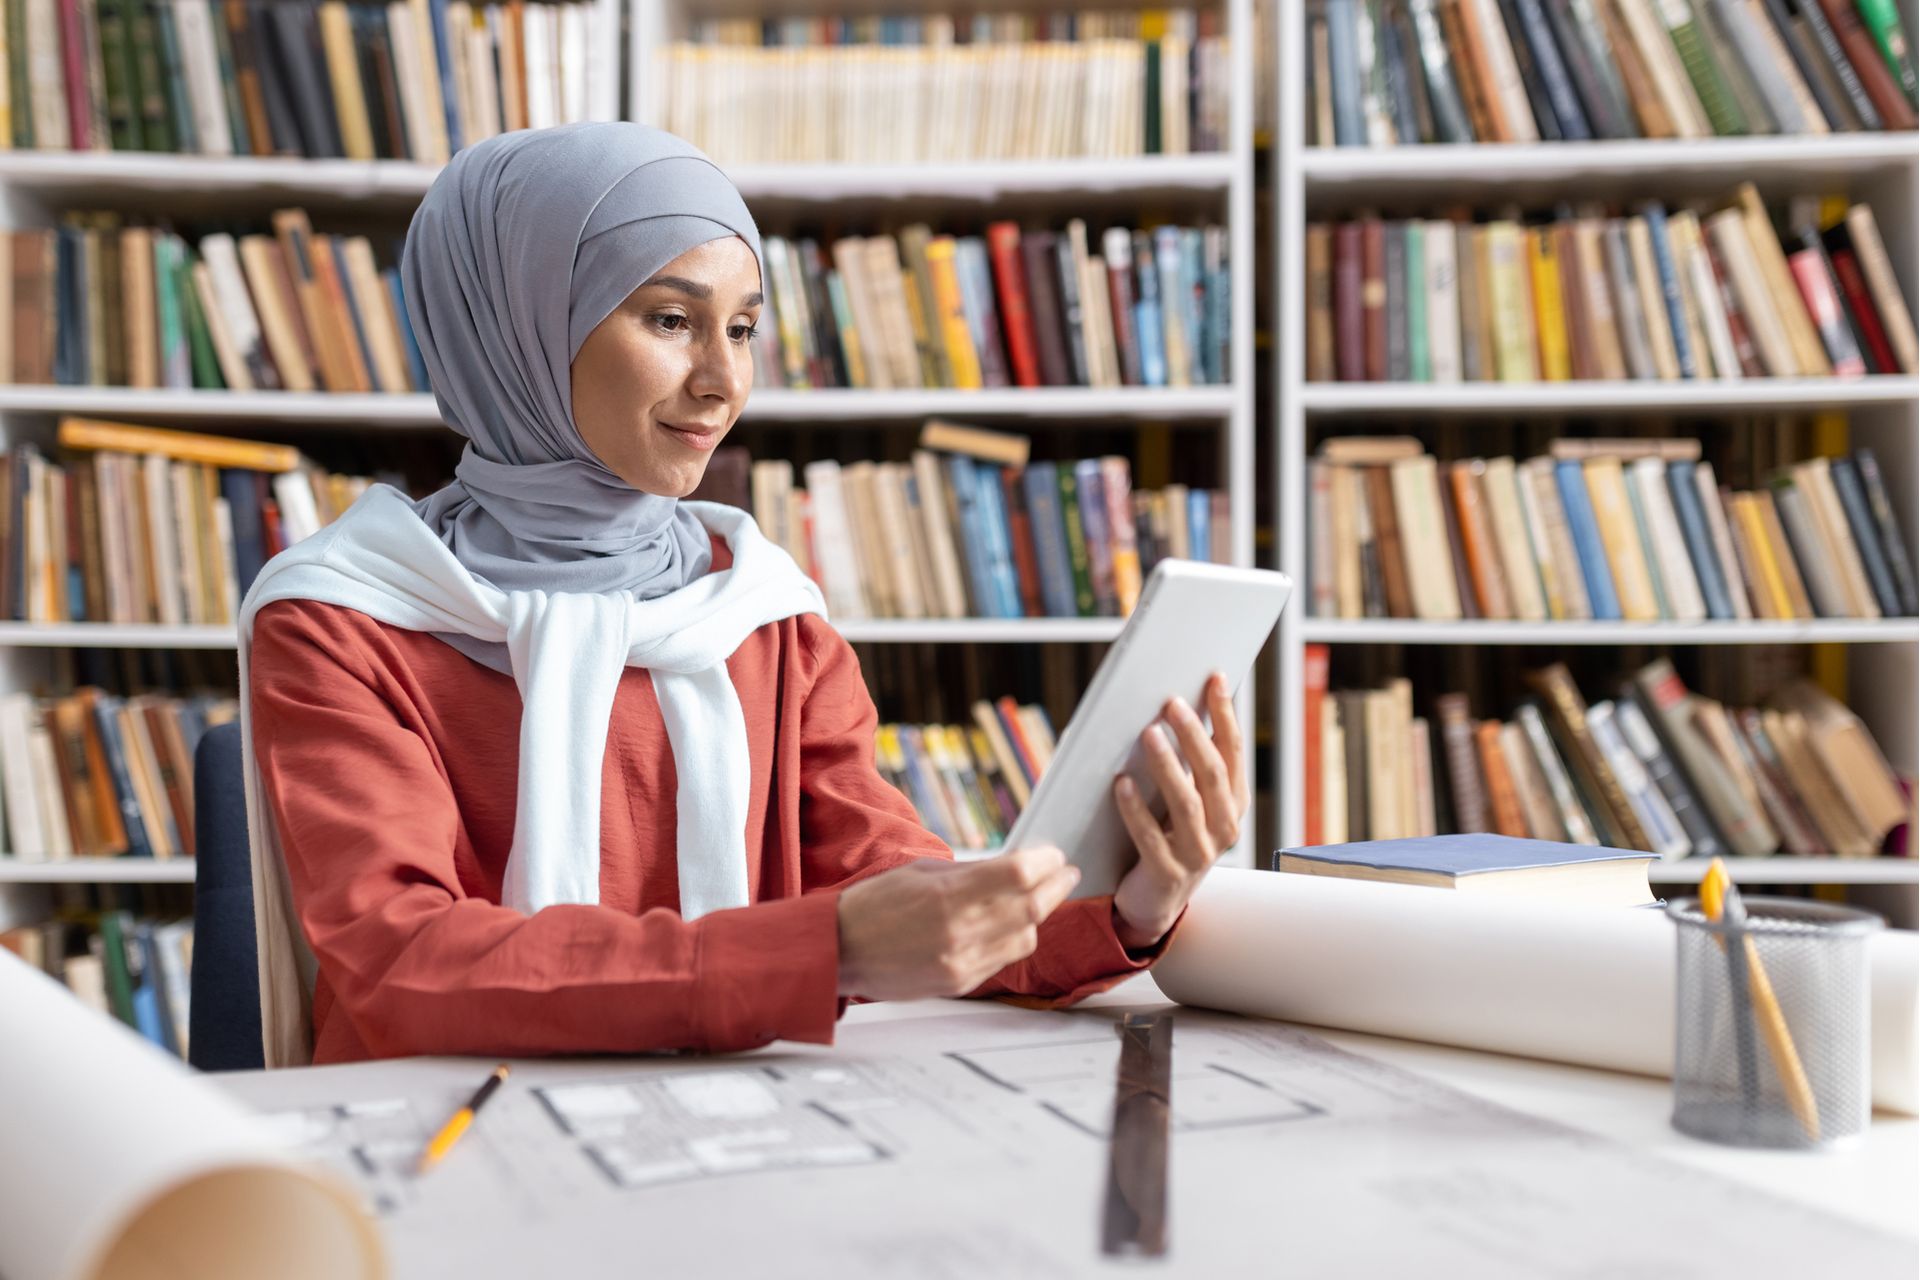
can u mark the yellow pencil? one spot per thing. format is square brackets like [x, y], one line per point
[450, 1131]
[1718, 897]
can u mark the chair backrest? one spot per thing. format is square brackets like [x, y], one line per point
[224, 1013]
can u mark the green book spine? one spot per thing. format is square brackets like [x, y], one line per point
[1083, 599]
[150, 85]
[1419, 355]
[123, 121]
[19, 92]
[113, 945]
[166, 306]
[1716, 97]
[1882, 18]
[206, 366]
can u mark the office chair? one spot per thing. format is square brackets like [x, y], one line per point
[224, 1011]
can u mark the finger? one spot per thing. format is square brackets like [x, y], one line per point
[1227, 739]
[1185, 811]
[1148, 839]
[1210, 778]
[1016, 872]
[1011, 912]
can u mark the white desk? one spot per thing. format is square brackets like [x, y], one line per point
[967, 1219]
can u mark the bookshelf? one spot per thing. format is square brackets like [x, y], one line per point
[1320, 182]
[36, 186]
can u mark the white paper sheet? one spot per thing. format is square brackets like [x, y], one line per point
[117, 1163]
[970, 1140]
[1588, 986]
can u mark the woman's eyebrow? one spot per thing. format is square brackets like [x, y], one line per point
[704, 293]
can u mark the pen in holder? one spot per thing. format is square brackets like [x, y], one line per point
[1771, 1040]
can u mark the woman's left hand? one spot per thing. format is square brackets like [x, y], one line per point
[1205, 803]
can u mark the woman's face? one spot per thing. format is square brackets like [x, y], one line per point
[658, 384]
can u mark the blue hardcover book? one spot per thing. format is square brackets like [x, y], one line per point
[443, 52]
[249, 533]
[1173, 306]
[1591, 875]
[1343, 58]
[962, 478]
[1670, 287]
[1572, 479]
[1147, 323]
[997, 528]
[1192, 279]
[1649, 552]
[416, 363]
[70, 337]
[1567, 113]
[143, 984]
[975, 273]
[1219, 307]
[1853, 500]
[1693, 527]
[106, 718]
[932, 813]
[1200, 524]
[1041, 480]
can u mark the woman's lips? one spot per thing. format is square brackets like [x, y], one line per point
[702, 438]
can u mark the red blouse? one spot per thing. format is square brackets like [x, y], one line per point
[391, 760]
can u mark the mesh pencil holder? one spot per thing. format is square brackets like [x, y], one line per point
[1737, 1052]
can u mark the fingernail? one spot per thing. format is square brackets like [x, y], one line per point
[1180, 709]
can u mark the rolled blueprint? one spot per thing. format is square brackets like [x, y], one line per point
[1586, 985]
[120, 1165]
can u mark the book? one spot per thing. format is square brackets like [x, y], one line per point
[1483, 863]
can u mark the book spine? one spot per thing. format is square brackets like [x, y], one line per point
[1042, 483]
[1586, 540]
[1892, 542]
[1077, 554]
[1859, 526]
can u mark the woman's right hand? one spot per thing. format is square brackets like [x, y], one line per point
[936, 928]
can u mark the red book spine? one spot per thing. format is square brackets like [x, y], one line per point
[1009, 713]
[1010, 282]
[1026, 561]
[73, 56]
[1878, 82]
[1853, 287]
[1350, 353]
[1313, 672]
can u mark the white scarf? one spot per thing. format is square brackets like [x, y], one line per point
[568, 650]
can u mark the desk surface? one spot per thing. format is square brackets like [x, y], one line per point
[1427, 1166]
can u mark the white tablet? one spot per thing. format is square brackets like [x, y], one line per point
[1192, 619]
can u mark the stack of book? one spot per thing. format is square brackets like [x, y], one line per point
[935, 87]
[94, 775]
[1655, 767]
[410, 80]
[1011, 308]
[131, 968]
[972, 529]
[1634, 530]
[145, 525]
[97, 303]
[1387, 72]
[1654, 292]
[969, 783]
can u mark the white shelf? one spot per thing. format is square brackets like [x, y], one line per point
[131, 172]
[106, 635]
[1761, 394]
[1788, 870]
[984, 180]
[60, 177]
[1414, 631]
[97, 871]
[279, 407]
[772, 404]
[982, 630]
[1453, 167]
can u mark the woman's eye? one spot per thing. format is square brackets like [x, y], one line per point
[671, 322]
[743, 332]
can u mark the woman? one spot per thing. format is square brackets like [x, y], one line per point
[552, 762]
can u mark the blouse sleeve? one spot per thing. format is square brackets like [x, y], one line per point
[368, 824]
[855, 824]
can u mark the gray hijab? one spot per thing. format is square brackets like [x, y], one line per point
[523, 244]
